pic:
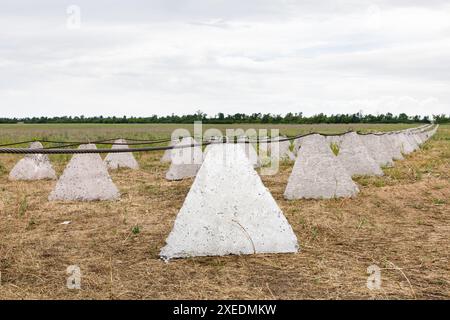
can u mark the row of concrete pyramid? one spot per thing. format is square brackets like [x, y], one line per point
[228, 210]
[317, 172]
[85, 178]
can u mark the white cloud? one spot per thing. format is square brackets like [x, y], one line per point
[163, 57]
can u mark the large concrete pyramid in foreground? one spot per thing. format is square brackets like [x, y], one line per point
[228, 211]
[355, 157]
[85, 178]
[33, 166]
[317, 173]
[121, 160]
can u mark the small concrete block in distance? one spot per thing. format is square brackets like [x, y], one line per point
[377, 149]
[185, 161]
[121, 160]
[317, 173]
[33, 166]
[355, 157]
[85, 178]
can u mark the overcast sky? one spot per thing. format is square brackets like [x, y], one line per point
[140, 58]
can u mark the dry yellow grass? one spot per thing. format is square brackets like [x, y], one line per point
[400, 222]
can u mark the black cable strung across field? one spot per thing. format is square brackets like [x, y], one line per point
[141, 149]
[74, 143]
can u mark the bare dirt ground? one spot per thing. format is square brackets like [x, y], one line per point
[399, 222]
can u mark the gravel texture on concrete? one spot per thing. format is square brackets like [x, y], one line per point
[393, 146]
[377, 150]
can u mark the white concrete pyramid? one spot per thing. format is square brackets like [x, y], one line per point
[411, 140]
[185, 161]
[121, 160]
[85, 178]
[391, 140]
[407, 147]
[317, 173]
[416, 136]
[228, 211]
[33, 166]
[377, 149]
[355, 157]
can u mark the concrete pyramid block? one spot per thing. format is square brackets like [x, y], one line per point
[406, 147]
[185, 161]
[355, 157]
[85, 178]
[121, 160]
[377, 149]
[318, 173]
[228, 211]
[416, 137]
[33, 166]
[412, 141]
[394, 145]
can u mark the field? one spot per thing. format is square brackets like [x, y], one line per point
[399, 222]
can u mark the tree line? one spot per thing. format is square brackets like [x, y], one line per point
[289, 118]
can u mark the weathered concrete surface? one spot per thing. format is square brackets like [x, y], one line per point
[185, 161]
[228, 211]
[393, 146]
[33, 166]
[355, 157]
[406, 147]
[416, 137]
[377, 150]
[317, 173]
[85, 178]
[121, 160]
[337, 140]
[412, 141]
